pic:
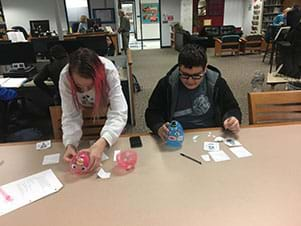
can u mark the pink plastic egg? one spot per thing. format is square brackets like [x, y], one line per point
[80, 162]
[127, 159]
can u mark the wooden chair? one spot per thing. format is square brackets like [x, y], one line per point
[274, 106]
[227, 43]
[251, 43]
[91, 127]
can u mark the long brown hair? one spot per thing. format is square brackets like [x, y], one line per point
[86, 63]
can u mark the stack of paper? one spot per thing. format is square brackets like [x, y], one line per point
[12, 82]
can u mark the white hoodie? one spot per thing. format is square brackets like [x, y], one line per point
[72, 118]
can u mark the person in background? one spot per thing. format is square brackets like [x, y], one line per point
[58, 60]
[110, 46]
[294, 16]
[91, 81]
[194, 94]
[124, 29]
[83, 24]
[280, 19]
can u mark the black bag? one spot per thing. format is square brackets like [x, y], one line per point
[137, 87]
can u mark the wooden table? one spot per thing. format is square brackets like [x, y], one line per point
[167, 189]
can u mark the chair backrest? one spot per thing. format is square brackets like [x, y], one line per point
[253, 37]
[227, 30]
[274, 106]
[211, 31]
[230, 38]
[91, 127]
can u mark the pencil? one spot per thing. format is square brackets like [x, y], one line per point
[186, 156]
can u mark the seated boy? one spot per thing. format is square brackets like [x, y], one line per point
[194, 94]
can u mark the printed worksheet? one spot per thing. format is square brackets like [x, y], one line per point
[27, 190]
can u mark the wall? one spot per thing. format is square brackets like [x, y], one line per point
[168, 8]
[186, 14]
[234, 12]
[247, 17]
[20, 12]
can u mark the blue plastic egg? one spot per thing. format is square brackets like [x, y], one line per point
[176, 134]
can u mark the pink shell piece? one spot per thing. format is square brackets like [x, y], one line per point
[80, 162]
[127, 159]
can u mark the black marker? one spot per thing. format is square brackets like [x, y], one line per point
[186, 156]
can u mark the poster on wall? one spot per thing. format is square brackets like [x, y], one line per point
[150, 13]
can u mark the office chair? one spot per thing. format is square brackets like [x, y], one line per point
[74, 27]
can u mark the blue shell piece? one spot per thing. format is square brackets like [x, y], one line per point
[175, 135]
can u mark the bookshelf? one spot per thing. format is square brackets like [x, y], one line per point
[2, 23]
[271, 8]
[257, 18]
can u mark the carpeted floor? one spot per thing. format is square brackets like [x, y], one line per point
[150, 65]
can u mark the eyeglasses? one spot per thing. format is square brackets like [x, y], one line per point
[193, 76]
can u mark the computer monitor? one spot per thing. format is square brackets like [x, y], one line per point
[94, 24]
[40, 45]
[20, 52]
[39, 27]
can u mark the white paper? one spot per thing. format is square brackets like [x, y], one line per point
[51, 159]
[231, 142]
[13, 82]
[28, 189]
[240, 152]
[219, 139]
[115, 155]
[103, 174]
[3, 80]
[219, 156]
[104, 157]
[43, 145]
[211, 146]
[206, 158]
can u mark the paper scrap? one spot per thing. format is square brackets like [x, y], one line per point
[195, 138]
[206, 158]
[219, 156]
[51, 159]
[211, 146]
[43, 145]
[103, 174]
[27, 190]
[219, 139]
[115, 155]
[240, 152]
[104, 157]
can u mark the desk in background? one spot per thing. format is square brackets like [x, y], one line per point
[113, 35]
[167, 189]
[274, 80]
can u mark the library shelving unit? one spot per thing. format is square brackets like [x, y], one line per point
[257, 18]
[2, 23]
[271, 8]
